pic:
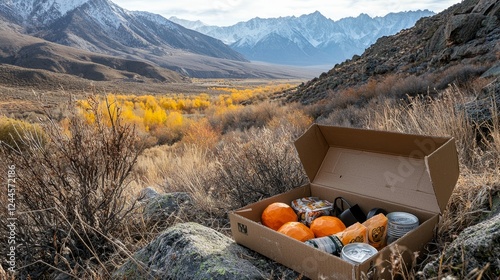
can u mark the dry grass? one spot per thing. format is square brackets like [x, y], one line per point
[479, 157]
[255, 158]
[238, 154]
[442, 116]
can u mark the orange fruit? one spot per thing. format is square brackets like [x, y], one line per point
[326, 225]
[297, 230]
[277, 214]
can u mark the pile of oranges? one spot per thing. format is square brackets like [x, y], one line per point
[282, 218]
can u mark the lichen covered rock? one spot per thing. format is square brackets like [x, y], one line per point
[477, 247]
[161, 207]
[190, 251]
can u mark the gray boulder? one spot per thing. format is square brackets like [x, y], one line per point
[463, 28]
[482, 110]
[147, 193]
[163, 207]
[477, 247]
[190, 251]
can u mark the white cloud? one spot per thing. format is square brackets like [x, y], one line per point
[228, 12]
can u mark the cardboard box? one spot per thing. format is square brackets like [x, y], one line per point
[393, 171]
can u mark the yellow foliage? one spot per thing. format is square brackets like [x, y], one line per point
[201, 133]
[14, 132]
[166, 116]
[174, 120]
[154, 118]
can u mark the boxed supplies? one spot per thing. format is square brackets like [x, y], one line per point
[374, 169]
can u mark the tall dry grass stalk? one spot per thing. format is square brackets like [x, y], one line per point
[443, 116]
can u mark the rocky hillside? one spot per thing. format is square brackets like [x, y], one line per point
[19, 51]
[464, 35]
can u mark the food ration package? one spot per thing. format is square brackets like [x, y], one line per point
[309, 208]
[377, 230]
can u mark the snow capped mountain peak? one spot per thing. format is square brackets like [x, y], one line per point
[187, 23]
[41, 11]
[312, 38]
[68, 5]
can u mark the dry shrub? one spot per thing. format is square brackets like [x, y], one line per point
[13, 131]
[352, 116]
[201, 133]
[258, 164]
[70, 199]
[460, 75]
[410, 86]
[470, 202]
[243, 117]
[291, 117]
[163, 134]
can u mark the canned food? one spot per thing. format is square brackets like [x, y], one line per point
[330, 244]
[357, 253]
[400, 223]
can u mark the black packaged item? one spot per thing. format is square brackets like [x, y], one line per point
[349, 216]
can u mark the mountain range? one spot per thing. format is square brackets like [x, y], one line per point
[309, 39]
[97, 31]
[98, 40]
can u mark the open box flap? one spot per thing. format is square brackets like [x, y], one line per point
[414, 170]
[443, 169]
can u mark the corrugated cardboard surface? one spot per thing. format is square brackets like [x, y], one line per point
[397, 172]
[414, 170]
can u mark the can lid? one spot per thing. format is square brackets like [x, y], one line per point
[358, 252]
[402, 218]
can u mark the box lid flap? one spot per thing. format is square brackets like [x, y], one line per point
[414, 170]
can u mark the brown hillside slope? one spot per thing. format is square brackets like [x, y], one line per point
[466, 34]
[32, 53]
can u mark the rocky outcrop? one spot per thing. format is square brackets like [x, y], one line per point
[161, 209]
[483, 111]
[466, 34]
[463, 28]
[190, 251]
[476, 248]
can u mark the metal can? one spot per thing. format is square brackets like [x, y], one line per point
[330, 244]
[357, 253]
[400, 223]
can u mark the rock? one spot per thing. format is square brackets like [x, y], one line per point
[147, 194]
[463, 28]
[483, 6]
[477, 247]
[190, 251]
[492, 72]
[162, 207]
[480, 111]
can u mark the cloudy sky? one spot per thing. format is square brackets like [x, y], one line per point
[229, 12]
